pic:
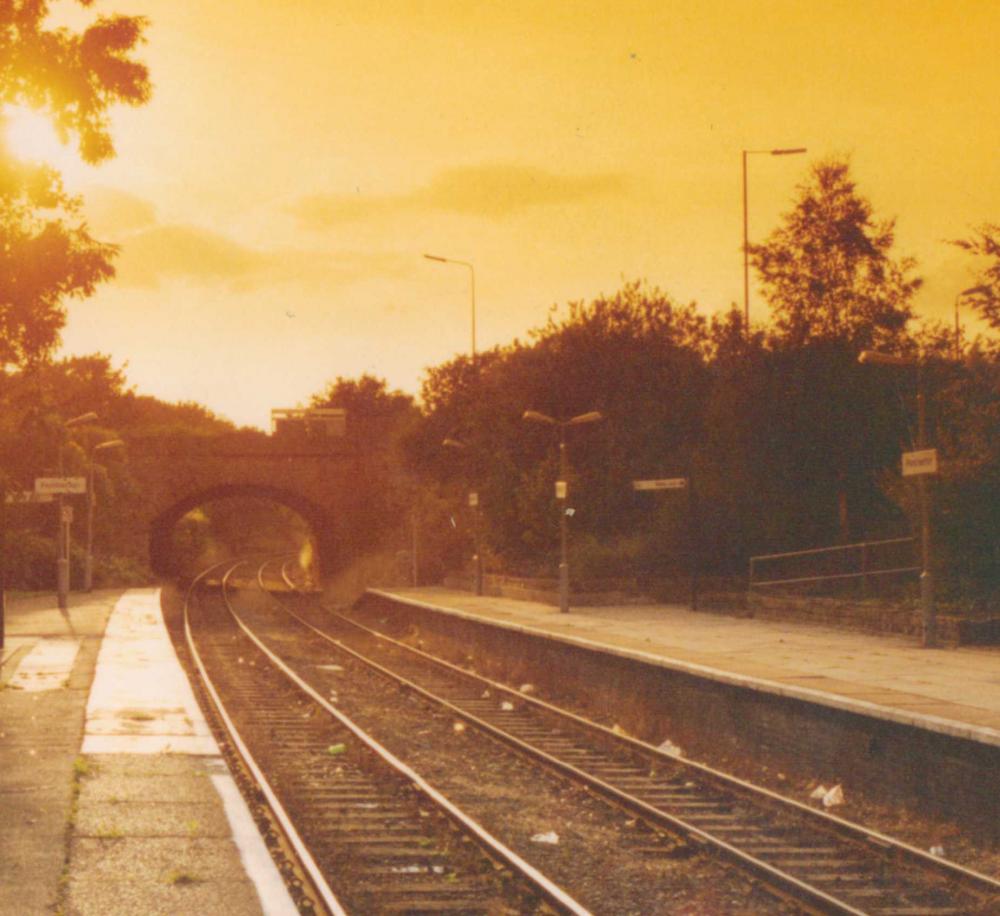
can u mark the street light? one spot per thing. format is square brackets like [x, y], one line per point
[477, 558]
[928, 609]
[958, 328]
[472, 291]
[561, 489]
[793, 151]
[62, 534]
[88, 567]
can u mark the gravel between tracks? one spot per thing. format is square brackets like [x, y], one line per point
[595, 858]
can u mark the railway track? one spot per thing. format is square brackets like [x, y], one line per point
[370, 834]
[823, 862]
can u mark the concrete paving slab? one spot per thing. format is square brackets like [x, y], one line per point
[169, 860]
[187, 820]
[46, 666]
[40, 736]
[141, 812]
[149, 877]
[189, 788]
[131, 712]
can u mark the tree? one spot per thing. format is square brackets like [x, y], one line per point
[985, 298]
[828, 271]
[46, 251]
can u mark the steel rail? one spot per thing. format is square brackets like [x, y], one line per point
[864, 837]
[547, 889]
[306, 860]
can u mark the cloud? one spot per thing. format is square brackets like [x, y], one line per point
[184, 252]
[111, 212]
[179, 251]
[493, 191]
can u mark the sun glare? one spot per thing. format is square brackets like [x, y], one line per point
[30, 136]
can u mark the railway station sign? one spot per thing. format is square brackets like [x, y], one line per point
[19, 497]
[924, 461]
[49, 485]
[666, 483]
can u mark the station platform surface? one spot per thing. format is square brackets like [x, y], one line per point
[954, 691]
[114, 796]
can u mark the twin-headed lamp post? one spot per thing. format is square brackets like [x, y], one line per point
[561, 489]
[88, 567]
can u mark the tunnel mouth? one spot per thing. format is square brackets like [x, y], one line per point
[236, 522]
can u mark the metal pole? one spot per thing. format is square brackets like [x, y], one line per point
[415, 568]
[926, 574]
[478, 558]
[695, 538]
[563, 561]
[88, 563]
[472, 289]
[3, 562]
[746, 256]
[62, 547]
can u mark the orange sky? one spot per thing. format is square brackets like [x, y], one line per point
[298, 157]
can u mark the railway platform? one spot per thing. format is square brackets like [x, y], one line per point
[954, 692]
[115, 798]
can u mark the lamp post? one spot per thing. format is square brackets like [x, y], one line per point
[792, 151]
[972, 290]
[477, 558]
[62, 538]
[561, 489]
[88, 566]
[472, 291]
[928, 609]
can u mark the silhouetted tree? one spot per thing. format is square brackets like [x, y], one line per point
[46, 252]
[985, 298]
[828, 271]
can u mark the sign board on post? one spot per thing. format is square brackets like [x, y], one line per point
[924, 461]
[473, 499]
[60, 485]
[560, 489]
[28, 496]
[669, 483]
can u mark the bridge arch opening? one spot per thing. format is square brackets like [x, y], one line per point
[236, 521]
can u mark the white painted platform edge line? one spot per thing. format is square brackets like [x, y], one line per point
[978, 733]
[275, 900]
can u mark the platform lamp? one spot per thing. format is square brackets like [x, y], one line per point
[88, 566]
[561, 489]
[62, 534]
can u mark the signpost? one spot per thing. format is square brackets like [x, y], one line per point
[679, 483]
[21, 497]
[924, 461]
[57, 485]
[668, 483]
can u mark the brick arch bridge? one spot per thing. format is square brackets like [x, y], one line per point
[326, 483]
